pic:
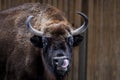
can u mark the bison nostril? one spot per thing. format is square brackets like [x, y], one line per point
[58, 62]
[55, 60]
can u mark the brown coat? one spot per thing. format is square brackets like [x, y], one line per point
[16, 49]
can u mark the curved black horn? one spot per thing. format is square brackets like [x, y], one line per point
[31, 29]
[84, 26]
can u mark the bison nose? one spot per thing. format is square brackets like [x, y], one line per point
[61, 63]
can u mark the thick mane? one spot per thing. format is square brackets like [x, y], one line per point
[45, 15]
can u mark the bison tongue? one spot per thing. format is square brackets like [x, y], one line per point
[65, 63]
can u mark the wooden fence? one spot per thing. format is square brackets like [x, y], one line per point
[102, 40]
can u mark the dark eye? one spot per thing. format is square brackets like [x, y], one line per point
[46, 40]
[70, 41]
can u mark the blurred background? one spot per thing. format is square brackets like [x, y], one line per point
[98, 56]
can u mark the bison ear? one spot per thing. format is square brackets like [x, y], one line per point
[77, 40]
[36, 41]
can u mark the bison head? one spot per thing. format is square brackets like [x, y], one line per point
[57, 41]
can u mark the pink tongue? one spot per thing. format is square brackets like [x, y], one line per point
[65, 63]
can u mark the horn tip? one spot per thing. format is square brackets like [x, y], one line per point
[82, 14]
[30, 17]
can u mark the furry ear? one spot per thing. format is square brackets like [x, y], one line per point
[77, 39]
[36, 41]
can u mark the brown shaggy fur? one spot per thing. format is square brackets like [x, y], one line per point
[16, 49]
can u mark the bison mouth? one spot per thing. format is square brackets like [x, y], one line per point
[61, 65]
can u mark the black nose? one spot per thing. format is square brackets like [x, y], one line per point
[61, 63]
[59, 59]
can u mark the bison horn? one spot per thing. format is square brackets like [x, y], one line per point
[82, 28]
[31, 29]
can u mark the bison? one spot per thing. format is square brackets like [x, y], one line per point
[36, 42]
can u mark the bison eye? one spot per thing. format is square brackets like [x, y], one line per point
[70, 41]
[46, 40]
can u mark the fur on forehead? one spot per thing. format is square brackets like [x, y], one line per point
[57, 30]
